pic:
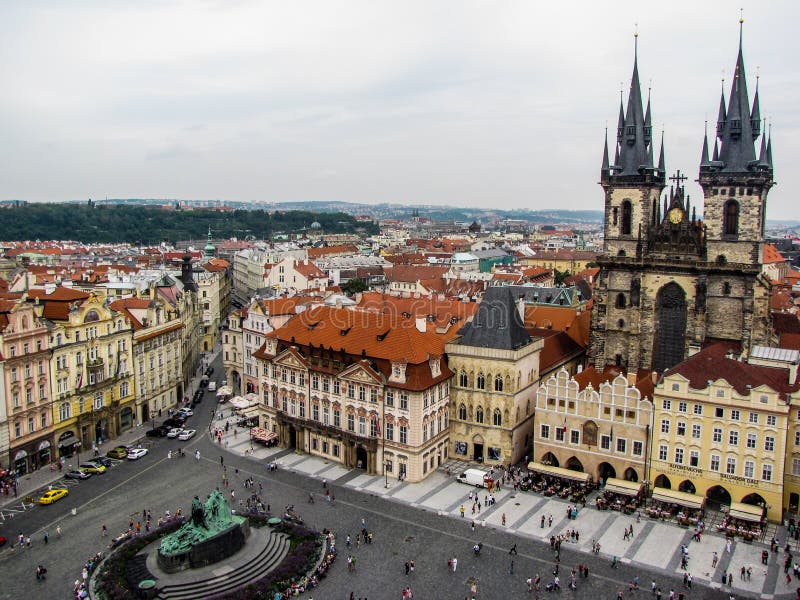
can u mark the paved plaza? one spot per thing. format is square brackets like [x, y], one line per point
[419, 522]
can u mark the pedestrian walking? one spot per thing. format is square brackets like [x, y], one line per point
[58, 531]
[104, 530]
[513, 550]
[455, 564]
[714, 560]
[197, 455]
[46, 537]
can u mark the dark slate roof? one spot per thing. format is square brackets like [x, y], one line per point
[635, 139]
[556, 296]
[497, 324]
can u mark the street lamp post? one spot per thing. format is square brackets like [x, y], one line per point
[153, 419]
[78, 452]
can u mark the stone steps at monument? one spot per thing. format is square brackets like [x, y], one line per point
[274, 551]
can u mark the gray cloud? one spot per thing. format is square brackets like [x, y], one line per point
[468, 103]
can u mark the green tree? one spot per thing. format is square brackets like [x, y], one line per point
[354, 286]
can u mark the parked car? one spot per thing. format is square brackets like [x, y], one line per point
[160, 431]
[175, 420]
[136, 453]
[118, 452]
[174, 432]
[186, 434]
[212, 386]
[77, 474]
[93, 468]
[102, 460]
[51, 496]
[188, 412]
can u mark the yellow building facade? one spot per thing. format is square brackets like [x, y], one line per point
[719, 437]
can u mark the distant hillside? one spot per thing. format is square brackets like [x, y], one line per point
[145, 224]
[385, 210]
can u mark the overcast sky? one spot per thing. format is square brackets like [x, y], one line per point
[465, 103]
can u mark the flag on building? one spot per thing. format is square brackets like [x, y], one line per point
[377, 424]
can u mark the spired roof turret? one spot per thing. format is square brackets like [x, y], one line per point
[738, 125]
[633, 156]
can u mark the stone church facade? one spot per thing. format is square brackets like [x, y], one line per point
[671, 282]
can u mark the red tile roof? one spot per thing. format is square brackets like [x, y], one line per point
[712, 364]
[644, 379]
[413, 273]
[771, 255]
[343, 250]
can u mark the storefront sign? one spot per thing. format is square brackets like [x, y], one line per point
[675, 468]
[739, 480]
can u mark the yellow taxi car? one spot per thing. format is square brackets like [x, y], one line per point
[51, 496]
[92, 467]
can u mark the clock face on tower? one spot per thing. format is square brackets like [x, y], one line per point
[675, 215]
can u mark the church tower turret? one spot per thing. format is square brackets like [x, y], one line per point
[736, 182]
[632, 183]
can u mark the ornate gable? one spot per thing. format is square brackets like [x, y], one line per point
[362, 373]
[290, 358]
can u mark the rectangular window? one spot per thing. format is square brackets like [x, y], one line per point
[638, 448]
[752, 417]
[769, 443]
[749, 469]
[694, 458]
[373, 395]
[716, 436]
[714, 463]
[772, 420]
[390, 432]
[574, 436]
[696, 430]
[326, 385]
[733, 438]
[605, 442]
[797, 438]
[734, 415]
[666, 404]
[403, 434]
[403, 401]
[362, 393]
[679, 456]
[663, 452]
[683, 407]
[719, 412]
[315, 412]
[336, 387]
[751, 440]
[544, 431]
[622, 444]
[730, 466]
[362, 426]
[664, 426]
[796, 466]
[766, 472]
[337, 418]
[698, 409]
[389, 398]
[681, 428]
[351, 390]
[560, 434]
[351, 422]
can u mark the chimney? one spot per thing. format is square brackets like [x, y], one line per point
[631, 378]
[421, 326]
[49, 287]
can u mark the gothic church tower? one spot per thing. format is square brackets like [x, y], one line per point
[670, 281]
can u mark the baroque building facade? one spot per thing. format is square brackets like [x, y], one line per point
[364, 389]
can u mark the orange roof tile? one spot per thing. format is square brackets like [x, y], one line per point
[771, 255]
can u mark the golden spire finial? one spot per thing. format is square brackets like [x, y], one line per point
[741, 16]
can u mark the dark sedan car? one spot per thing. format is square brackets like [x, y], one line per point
[160, 431]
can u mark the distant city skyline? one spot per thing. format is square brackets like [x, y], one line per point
[448, 103]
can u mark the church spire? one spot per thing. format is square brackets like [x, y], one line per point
[604, 167]
[738, 151]
[715, 156]
[769, 148]
[721, 116]
[661, 164]
[704, 154]
[755, 114]
[635, 132]
[762, 155]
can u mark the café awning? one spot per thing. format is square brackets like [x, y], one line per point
[679, 498]
[69, 440]
[224, 391]
[558, 472]
[623, 486]
[746, 512]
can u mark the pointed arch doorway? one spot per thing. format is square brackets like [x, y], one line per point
[670, 327]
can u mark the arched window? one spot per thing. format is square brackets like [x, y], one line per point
[627, 218]
[621, 323]
[730, 222]
[498, 383]
[497, 417]
[726, 289]
[462, 412]
[479, 415]
[462, 379]
[481, 382]
[620, 303]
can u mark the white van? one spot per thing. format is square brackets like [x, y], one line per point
[474, 477]
[212, 386]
